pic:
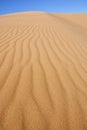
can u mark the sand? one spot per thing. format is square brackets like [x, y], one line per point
[43, 71]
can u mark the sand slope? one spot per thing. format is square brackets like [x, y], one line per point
[43, 72]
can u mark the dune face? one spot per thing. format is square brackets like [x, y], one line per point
[43, 72]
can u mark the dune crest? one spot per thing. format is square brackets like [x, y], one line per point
[43, 72]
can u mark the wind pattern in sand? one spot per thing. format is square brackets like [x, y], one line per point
[43, 72]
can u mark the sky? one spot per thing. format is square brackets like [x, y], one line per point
[60, 6]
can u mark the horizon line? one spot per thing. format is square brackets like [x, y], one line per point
[19, 12]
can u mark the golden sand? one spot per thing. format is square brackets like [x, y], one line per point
[43, 71]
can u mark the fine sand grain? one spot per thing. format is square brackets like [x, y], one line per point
[43, 71]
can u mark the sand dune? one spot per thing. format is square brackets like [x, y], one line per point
[43, 71]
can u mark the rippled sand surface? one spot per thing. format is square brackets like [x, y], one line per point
[43, 71]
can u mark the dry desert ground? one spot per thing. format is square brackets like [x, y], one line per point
[43, 71]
